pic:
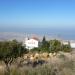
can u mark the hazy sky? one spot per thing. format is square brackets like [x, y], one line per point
[37, 14]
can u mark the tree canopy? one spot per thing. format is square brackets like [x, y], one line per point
[10, 50]
[52, 46]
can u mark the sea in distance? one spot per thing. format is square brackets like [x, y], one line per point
[63, 33]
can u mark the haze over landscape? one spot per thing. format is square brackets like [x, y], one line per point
[47, 17]
[37, 37]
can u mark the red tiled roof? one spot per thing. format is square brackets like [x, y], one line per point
[35, 38]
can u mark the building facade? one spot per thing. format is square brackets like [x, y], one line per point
[31, 43]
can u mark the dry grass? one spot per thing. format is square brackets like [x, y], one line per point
[61, 64]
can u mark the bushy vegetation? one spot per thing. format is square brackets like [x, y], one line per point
[52, 46]
[11, 53]
[9, 50]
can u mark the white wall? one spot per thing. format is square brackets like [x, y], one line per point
[72, 45]
[65, 43]
[31, 43]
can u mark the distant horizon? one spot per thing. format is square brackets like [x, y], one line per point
[65, 34]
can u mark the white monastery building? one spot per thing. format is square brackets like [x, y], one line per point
[31, 43]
